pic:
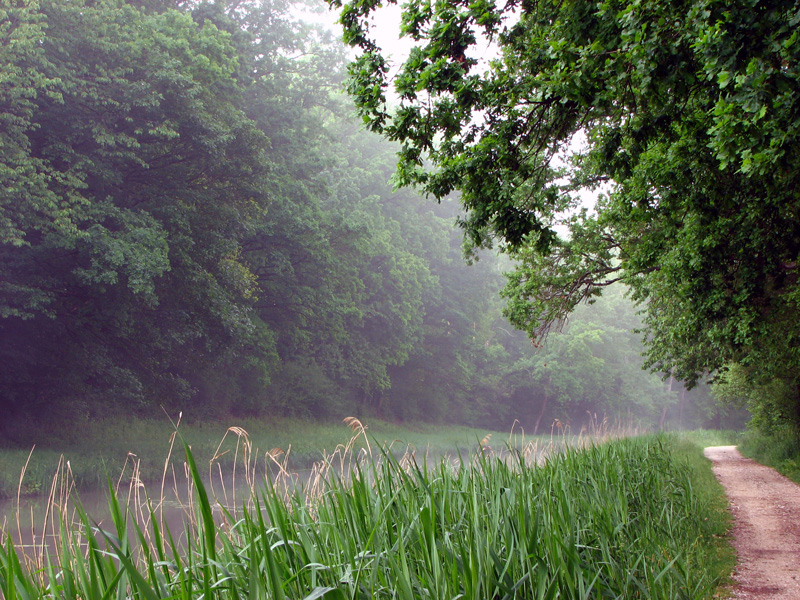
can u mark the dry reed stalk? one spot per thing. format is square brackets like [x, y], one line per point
[141, 508]
[284, 480]
[243, 447]
[19, 493]
[61, 489]
[167, 465]
[408, 459]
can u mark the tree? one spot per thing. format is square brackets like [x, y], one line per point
[130, 175]
[691, 117]
[590, 370]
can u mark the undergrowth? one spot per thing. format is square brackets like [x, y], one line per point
[779, 450]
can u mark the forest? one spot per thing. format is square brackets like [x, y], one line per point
[195, 217]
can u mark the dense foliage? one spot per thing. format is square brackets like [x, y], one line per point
[686, 115]
[131, 177]
[191, 218]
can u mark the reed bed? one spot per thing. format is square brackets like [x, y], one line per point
[619, 519]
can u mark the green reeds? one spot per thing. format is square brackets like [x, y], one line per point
[616, 520]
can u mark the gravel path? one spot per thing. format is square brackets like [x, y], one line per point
[766, 512]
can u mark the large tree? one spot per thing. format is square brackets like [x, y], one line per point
[685, 114]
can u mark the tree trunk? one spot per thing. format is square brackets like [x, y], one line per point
[541, 414]
[664, 411]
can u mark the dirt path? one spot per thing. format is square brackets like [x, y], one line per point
[766, 512]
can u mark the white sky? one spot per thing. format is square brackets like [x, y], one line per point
[385, 30]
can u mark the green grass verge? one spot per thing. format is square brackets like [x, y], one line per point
[702, 438]
[780, 450]
[688, 447]
[634, 518]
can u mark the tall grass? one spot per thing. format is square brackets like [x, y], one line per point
[616, 520]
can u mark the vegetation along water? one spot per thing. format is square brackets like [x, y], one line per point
[631, 518]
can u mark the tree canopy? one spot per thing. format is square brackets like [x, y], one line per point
[130, 175]
[684, 116]
[190, 217]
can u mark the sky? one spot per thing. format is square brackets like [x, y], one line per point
[386, 29]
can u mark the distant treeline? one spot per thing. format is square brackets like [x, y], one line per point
[191, 218]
